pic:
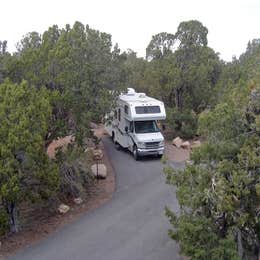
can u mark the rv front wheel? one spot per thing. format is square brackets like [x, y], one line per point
[113, 137]
[117, 146]
[135, 153]
[160, 156]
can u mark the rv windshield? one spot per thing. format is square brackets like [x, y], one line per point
[142, 127]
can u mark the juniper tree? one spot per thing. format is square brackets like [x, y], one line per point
[25, 170]
[219, 193]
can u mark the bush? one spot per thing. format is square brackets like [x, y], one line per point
[183, 123]
[4, 226]
[74, 172]
[25, 170]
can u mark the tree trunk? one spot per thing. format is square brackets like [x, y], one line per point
[178, 99]
[240, 245]
[12, 214]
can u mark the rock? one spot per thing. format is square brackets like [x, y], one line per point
[60, 142]
[97, 154]
[63, 208]
[99, 170]
[78, 200]
[196, 144]
[93, 125]
[177, 142]
[89, 149]
[189, 162]
[185, 145]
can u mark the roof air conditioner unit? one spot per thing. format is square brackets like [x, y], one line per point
[130, 92]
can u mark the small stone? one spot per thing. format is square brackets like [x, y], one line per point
[99, 171]
[177, 142]
[63, 208]
[78, 200]
[185, 145]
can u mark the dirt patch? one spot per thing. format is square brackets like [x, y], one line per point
[98, 194]
[175, 154]
[60, 142]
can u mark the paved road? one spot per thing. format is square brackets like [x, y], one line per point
[131, 226]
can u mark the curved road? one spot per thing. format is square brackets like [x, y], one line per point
[131, 226]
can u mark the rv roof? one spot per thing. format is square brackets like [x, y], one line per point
[134, 97]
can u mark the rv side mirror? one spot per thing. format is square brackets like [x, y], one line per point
[126, 129]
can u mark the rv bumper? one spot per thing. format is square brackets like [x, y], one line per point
[143, 151]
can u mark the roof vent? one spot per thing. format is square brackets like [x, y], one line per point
[130, 92]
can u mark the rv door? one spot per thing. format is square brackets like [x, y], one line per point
[131, 135]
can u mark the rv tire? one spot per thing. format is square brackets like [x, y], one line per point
[117, 146]
[135, 153]
[113, 137]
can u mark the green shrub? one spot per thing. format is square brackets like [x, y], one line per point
[183, 123]
[4, 226]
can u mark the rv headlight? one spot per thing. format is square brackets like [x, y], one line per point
[141, 144]
[161, 143]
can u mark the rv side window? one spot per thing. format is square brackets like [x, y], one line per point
[126, 109]
[115, 114]
[131, 127]
[148, 110]
[119, 114]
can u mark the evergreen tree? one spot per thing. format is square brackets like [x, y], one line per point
[25, 170]
[219, 192]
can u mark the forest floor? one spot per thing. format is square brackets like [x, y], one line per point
[98, 194]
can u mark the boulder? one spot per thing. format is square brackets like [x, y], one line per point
[189, 162]
[89, 149]
[177, 142]
[78, 200]
[99, 170]
[97, 154]
[60, 142]
[185, 145]
[63, 208]
[196, 144]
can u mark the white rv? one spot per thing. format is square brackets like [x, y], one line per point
[133, 124]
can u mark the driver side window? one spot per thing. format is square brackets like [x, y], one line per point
[131, 127]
